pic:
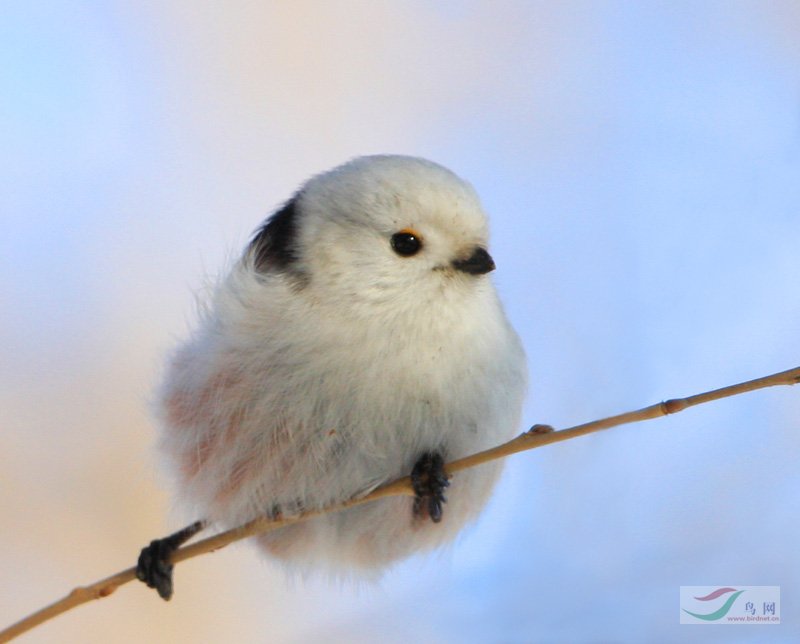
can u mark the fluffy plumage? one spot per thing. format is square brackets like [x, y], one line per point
[327, 363]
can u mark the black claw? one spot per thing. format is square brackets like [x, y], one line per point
[429, 480]
[154, 567]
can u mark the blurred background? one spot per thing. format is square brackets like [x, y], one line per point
[641, 166]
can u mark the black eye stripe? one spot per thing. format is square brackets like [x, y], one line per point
[274, 244]
[406, 243]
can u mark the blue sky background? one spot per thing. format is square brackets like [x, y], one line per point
[641, 166]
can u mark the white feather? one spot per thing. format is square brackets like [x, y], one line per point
[307, 387]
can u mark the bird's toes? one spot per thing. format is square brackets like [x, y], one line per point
[429, 480]
[154, 567]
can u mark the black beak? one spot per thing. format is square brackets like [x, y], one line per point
[479, 263]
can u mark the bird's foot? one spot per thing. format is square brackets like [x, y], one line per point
[429, 480]
[154, 567]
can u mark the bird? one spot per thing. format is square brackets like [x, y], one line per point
[357, 339]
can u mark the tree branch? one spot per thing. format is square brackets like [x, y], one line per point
[529, 440]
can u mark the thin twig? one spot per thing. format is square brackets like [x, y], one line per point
[529, 440]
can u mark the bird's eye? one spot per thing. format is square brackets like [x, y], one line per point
[406, 243]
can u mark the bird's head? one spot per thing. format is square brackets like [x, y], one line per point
[378, 229]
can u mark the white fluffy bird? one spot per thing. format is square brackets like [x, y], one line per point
[357, 340]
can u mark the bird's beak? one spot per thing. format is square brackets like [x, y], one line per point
[478, 263]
